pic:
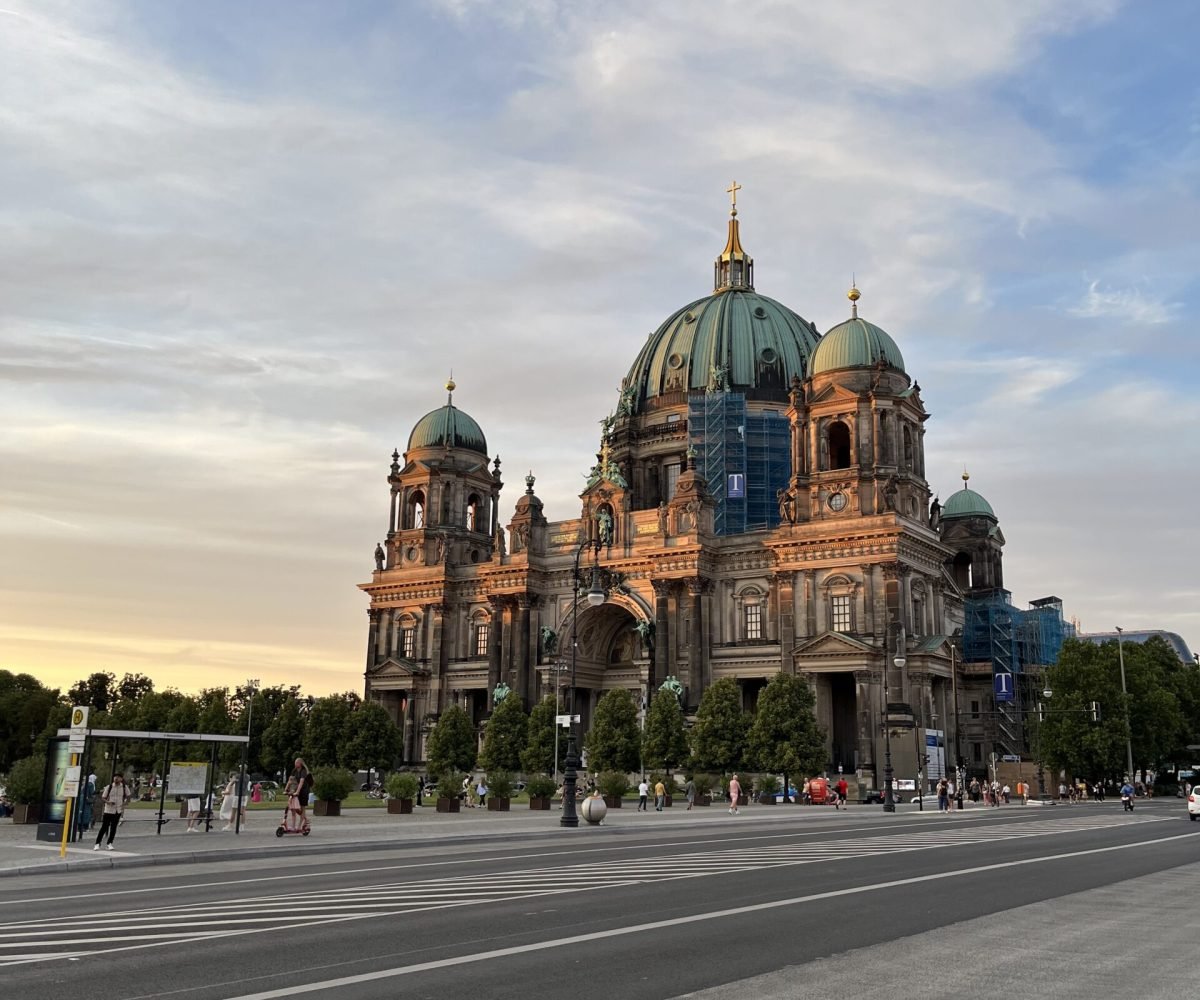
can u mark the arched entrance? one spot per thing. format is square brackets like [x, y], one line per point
[609, 654]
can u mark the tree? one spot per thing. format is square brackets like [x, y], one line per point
[538, 755]
[373, 740]
[719, 735]
[452, 744]
[613, 742]
[134, 686]
[664, 743]
[99, 691]
[25, 709]
[1067, 737]
[325, 731]
[506, 736]
[784, 737]
[283, 738]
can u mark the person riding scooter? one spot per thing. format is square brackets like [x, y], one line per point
[1127, 796]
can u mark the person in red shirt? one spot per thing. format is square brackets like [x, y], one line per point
[842, 788]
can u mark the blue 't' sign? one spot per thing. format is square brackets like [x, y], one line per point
[736, 486]
[1002, 685]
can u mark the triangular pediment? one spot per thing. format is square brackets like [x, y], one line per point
[832, 643]
[397, 669]
[604, 489]
[831, 392]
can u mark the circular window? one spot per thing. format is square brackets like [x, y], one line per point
[675, 361]
[410, 553]
[768, 356]
[474, 555]
[760, 312]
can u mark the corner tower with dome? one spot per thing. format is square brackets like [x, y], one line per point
[757, 504]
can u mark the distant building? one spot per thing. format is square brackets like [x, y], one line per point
[1174, 640]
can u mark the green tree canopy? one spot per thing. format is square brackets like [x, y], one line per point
[283, 739]
[719, 736]
[613, 742]
[664, 743]
[452, 744]
[99, 690]
[506, 736]
[373, 739]
[538, 755]
[784, 736]
[325, 731]
[25, 707]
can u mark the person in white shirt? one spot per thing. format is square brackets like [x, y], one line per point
[643, 796]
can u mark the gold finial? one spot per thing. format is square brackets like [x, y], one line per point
[732, 191]
[853, 295]
[966, 476]
[450, 387]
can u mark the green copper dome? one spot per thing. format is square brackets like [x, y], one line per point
[855, 344]
[746, 341]
[450, 427]
[967, 503]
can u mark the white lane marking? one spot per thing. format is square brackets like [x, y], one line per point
[486, 956]
[482, 857]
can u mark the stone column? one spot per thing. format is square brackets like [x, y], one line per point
[440, 655]
[661, 658]
[696, 658]
[392, 638]
[372, 636]
[868, 592]
[865, 703]
[393, 514]
[785, 585]
[495, 645]
[523, 668]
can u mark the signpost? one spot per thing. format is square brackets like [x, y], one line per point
[70, 786]
[1002, 685]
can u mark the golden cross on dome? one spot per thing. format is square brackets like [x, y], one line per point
[732, 191]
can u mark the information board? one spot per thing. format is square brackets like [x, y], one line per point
[187, 778]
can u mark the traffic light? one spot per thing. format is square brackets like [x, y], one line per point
[1095, 711]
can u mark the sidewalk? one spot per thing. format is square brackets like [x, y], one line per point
[138, 845]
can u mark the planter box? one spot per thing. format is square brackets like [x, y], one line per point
[704, 799]
[612, 801]
[327, 808]
[26, 814]
[448, 805]
[670, 799]
[766, 798]
[399, 807]
[542, 802]
[497, 805]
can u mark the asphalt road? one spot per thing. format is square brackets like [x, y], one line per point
[873, 905]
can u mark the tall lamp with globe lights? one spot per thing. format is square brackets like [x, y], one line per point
[595, 597]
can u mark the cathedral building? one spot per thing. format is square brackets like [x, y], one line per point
[758, 503]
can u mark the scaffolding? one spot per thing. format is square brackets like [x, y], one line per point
[745, 458]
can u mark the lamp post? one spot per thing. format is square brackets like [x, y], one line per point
[889, 801]
[1041, 766]
[595, 597]
[252, 685]
[1125, 698]
[559, 669]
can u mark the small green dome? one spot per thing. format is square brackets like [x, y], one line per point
[757, 343]
[450, 427]
[855, 344]
[967, 503]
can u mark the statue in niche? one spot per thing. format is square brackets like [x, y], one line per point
[662, 517]
[604, 526]
[549, 640]
[522, 534]
[645, 631]
[500, 546]
[439, 553]
[935, 514]
[380, 556]
[787, 507]
[889, 493]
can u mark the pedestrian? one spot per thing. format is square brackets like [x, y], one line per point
[735, 795]
[690, 791]
[481, 791]
[660, 795]
[256, 793]
[304, 781]
[116, 797]
[643, 795]
[975, 790]
[87, 799]
[842, 788]
[943, 795]
[834, 797]
[958, 797]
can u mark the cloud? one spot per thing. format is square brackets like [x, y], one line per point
[1127, 305]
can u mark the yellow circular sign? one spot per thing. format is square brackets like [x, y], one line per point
[77, 717]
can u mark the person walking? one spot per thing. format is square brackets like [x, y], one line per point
[660, 795]
[690, 791]
[842, 789]
[481, 791]
[116, 797]
[943, 795]
[735, 795]
[304, 782]
[643, 796]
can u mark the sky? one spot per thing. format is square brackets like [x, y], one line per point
[243, 245]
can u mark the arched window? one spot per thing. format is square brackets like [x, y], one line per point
[839, 445]
[480, 630]
[753, 625]
[414, 516]
[908, 447]
[962, 570]
[474, 510]
[885, 438]
[841, 593]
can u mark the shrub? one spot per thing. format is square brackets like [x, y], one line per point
[402, 785]
[449, 785]
[766, 784]
[540, 786]
[704, 783]
[500, 784]
[332, 784]
[666, 779]
[25, 780]
[612, 783]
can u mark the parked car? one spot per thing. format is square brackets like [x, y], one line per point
[1193, 803]
[874, 797]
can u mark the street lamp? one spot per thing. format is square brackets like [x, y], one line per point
[559, 669]
[889, 801]
[252, 685]
[1125, 696]
[595, 597]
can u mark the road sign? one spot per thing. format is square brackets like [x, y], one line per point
[75, 744]
[1002, 685]
[70, 783]
[79, 717]
[1011, 758]
[566, 720]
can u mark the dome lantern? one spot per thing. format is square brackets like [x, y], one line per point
[734, 268]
